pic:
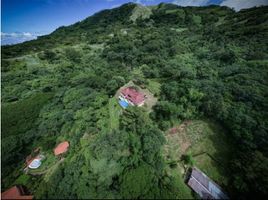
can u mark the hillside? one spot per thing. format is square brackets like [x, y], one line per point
[206, 65]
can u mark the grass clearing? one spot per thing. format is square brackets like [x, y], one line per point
[212, 154]
[208, 144]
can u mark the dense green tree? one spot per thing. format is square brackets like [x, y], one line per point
[210, 62]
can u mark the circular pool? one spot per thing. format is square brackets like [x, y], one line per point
[35, 164]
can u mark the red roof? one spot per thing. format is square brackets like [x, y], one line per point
[15, 193]
[133, 95]
[61, 148]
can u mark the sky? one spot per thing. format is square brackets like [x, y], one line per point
[23, 20]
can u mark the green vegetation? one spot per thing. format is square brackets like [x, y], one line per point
[185, 192]
[212, 152]
[23, 179]
[200, 63]
[20, 116]
[18, 121]
[188, 159]
[49, 161]
[154, 87]
[114, 110]
[203, 144]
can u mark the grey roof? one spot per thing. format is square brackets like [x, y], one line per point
[206, 188]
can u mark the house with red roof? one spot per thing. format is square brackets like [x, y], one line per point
[16, 192]
[61, 148]
[132, 96]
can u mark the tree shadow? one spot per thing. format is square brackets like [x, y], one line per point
[223, 147]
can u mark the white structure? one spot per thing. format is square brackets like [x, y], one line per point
[35, 164]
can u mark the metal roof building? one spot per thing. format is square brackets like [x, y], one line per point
[205, 187]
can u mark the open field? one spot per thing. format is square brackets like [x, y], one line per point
[206, 142]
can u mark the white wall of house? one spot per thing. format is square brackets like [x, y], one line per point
[141, 104]
[121, 97]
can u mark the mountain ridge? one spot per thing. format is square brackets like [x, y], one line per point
[123, 14]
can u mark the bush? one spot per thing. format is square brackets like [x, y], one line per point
[188, 159]
[47, 55]
[73, 55]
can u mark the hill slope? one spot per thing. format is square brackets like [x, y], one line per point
[207, 62]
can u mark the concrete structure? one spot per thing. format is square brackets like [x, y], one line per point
[35, 163]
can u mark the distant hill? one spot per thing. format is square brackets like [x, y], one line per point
[222, 19]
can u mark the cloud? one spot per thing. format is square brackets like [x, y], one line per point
[17, 37]
[191, 2]
[27, 34]
[241, 4]
[116, 5]
[137, 1]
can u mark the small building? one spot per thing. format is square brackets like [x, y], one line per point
[16, 192]
[61, 148]
[131, 96]
[205, 187]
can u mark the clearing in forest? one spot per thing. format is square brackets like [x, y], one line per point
[150, 100]
[206, 142]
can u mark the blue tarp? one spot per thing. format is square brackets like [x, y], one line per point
[123, 103]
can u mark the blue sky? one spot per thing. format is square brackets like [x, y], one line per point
[25, 19]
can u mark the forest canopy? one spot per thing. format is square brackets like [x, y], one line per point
[204, 62]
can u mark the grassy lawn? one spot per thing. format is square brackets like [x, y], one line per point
[114, 111]
[207, 142]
